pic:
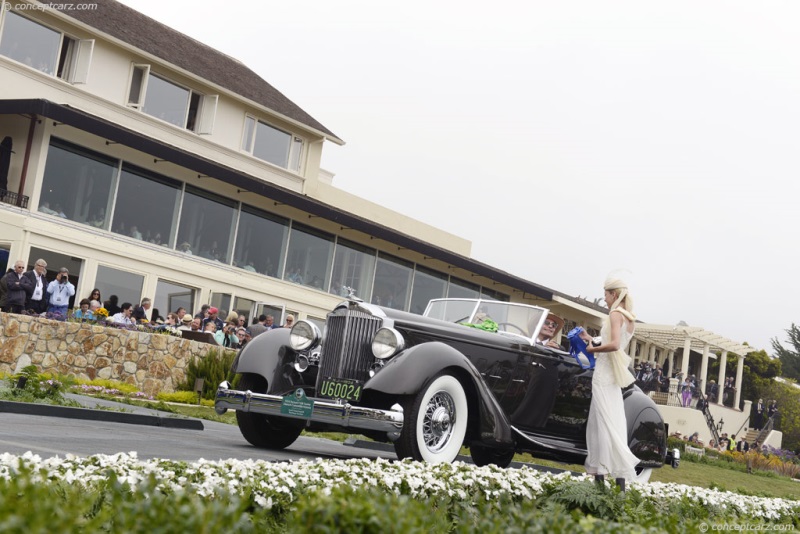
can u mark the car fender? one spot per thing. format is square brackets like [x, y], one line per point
[407, 373]
[270, 356]
[646, 431]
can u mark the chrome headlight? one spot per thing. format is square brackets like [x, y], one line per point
[387, 342]
[304, 335]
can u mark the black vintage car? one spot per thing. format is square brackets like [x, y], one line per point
[429, 384]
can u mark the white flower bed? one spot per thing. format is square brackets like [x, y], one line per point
[272, 482]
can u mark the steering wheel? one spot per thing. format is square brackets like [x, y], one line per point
[501, 326]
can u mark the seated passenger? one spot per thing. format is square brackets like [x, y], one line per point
[550, 332]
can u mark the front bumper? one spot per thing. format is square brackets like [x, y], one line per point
[325, 411]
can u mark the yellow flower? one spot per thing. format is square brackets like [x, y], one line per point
[101, 312]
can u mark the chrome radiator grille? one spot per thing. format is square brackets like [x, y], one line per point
[347, 350]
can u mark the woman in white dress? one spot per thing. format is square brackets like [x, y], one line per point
[607, 428]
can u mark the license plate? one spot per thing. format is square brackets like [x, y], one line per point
[340, 388]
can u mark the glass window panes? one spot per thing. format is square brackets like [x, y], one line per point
[309, 257]
[166, 101]
[488, 294]
[297, 151]
[30, 43]
[4, 250]
[171, 296]
[77, 184]
[126, 286]
[260, 241]
[207, 223]
[354, 267]
[459, 289]
[427, 285]
[146, 206]
[392, 282]
[272, 145]
[243, 307]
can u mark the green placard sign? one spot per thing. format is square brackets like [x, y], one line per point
[297, 405]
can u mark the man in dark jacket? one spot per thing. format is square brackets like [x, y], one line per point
[17, 287]
[37, 298]
[4, 291]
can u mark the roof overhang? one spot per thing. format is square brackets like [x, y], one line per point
[114, 132]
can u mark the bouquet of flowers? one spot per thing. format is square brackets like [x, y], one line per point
[101, 313]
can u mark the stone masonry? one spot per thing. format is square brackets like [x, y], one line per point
[151, 362]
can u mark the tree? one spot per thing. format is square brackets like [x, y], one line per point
[757, 374]
[788, 418]
[790, 359]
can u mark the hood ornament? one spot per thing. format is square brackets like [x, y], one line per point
[351, 294]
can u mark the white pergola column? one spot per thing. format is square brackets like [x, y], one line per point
[704, 368]
[723, 363]
[738, 396]
[652, 355]
[687, 348]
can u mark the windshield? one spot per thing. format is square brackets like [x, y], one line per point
[519, 319]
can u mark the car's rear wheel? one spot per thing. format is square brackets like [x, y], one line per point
[482, 455]
[435, 421]
[260, 430]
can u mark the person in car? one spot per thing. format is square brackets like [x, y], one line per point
[551, 331]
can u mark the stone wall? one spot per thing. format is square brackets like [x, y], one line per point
[151, 362]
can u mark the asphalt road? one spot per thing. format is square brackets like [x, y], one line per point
[50, 436]
[85, 432]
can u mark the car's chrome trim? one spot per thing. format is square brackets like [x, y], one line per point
[325, 410]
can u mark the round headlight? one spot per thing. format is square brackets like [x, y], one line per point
[387, 342]
[304, 335]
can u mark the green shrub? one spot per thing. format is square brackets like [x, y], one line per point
[363, 510]
[186, 397]
[214, 368]
[37, 388]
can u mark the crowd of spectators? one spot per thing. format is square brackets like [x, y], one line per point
[30, 292]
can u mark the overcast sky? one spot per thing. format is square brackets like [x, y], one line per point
[564, 139]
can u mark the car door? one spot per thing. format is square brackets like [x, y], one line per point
[529, 399]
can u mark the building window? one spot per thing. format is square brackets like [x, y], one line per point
[4, 262]
[427, 285]
[459, 289]
[146, 206]
[272, 144]
[243, 307]
[77, 184]
[170, 102]
[260, 241]
[44, 49]
[207, 225]
[309, 257]
[488, 294]
[170, 296]
[392, 282]
[221, 301]
[126, 286]
[55, 261]
[354, 267]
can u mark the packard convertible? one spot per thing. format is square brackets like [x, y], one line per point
[429, 384]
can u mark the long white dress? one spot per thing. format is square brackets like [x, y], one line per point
[607, 428]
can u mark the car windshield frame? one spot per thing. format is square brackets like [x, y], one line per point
[512, 318]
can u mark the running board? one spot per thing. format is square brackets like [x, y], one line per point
[549, 444]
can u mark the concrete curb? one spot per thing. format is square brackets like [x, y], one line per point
[70, 412]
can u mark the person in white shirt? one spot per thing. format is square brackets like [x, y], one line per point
[123, 318]
[37, 300]
[60, 291]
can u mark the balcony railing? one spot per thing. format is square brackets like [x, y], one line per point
[15, 199]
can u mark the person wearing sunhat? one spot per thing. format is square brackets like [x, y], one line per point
[550, 331]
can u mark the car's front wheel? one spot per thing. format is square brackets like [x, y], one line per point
[263, 431]
[435, 421]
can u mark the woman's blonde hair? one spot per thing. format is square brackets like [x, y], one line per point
[620, 289]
